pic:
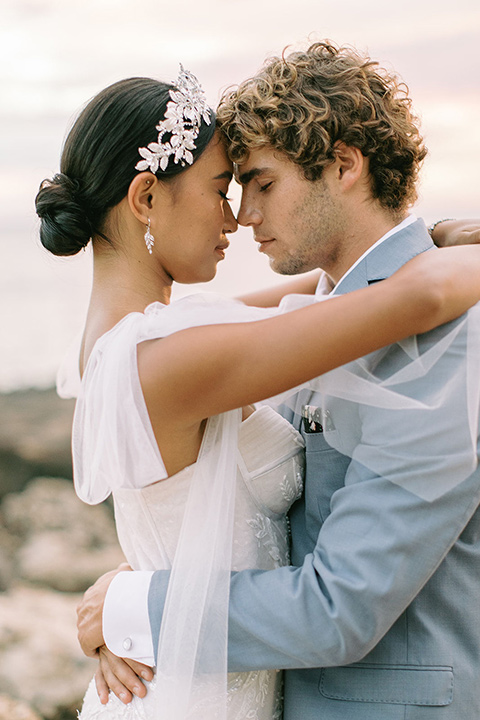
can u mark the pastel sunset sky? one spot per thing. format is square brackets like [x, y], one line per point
[56, 54]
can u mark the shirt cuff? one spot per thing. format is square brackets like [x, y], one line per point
[126, 624]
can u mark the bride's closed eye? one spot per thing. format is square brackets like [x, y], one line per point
[224, 196]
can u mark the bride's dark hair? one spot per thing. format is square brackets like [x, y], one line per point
[98, 162]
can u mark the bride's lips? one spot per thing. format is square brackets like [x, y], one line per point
[220, 249]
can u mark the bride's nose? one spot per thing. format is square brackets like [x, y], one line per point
[230, 225]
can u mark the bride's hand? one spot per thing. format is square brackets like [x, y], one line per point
[122, 677]
[452, 277]
[456, 232]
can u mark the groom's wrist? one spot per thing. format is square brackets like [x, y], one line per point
[126, 625]
[156, 603]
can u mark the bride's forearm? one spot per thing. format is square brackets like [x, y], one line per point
[206, 370]
[270, 297]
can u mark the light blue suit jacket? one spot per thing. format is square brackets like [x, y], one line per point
[378, 618]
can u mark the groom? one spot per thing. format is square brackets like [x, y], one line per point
[379, 616]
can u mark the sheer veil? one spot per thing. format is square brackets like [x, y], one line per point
[424, 391]
[192, 656]
[114, 449]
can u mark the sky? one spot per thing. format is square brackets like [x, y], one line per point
[56, 54]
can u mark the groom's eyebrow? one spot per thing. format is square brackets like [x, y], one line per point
[246, 177]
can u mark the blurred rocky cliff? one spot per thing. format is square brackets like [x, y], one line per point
[52, 548]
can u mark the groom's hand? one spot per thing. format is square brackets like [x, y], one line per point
[90, 610]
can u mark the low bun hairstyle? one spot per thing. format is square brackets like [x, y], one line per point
[98, 162]
[65, 227]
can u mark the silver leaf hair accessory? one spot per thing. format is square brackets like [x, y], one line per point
[183, 118]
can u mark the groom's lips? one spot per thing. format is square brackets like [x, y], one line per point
[264, 243]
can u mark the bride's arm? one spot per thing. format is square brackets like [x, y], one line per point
[207, 370]
[424, 292]
[271, 297]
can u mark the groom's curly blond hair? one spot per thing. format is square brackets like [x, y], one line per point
[304, 103]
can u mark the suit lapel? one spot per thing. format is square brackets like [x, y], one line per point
[388, 257]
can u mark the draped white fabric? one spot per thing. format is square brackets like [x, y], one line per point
[192, 656]
[114, 449]
[193, 641]
[99, 423]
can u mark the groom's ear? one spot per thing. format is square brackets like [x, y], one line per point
[350, 164]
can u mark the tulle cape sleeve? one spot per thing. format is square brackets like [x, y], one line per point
[112, 439]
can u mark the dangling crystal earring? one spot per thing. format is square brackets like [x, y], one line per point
[149, 239]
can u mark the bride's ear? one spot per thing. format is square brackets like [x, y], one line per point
[141, 195]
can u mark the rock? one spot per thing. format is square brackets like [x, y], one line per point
[9, 545]
[11, 709]
[49, 559]
[52, 547]
[34, 437]
[41, 662]
[62, 543]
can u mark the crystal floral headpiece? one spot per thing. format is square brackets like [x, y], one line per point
[183, 119]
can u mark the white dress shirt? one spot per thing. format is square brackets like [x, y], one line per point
[325, 285]
[126, 624]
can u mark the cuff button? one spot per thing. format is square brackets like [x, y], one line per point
[127, 643]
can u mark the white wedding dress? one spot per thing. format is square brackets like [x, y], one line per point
[149, 514]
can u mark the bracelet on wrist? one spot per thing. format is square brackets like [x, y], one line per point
[432, 227]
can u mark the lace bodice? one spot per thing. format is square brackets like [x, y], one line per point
[269, 479]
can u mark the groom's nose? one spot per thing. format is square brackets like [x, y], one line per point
[248, 214]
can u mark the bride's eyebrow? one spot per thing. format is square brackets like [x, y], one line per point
[227, 175]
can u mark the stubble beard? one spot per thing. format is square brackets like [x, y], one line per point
[318, 223]
[295, 265]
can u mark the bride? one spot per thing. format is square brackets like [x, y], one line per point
[198, 486]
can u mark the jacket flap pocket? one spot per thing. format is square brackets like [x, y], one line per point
[396, 684]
